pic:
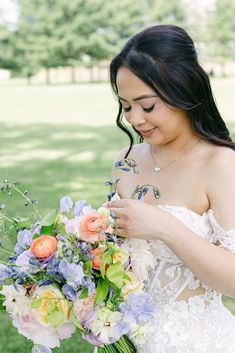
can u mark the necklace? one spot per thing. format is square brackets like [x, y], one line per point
[158, 169]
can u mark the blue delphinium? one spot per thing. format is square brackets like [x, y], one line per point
[24, 240]
[69, 292]
[138, 308]
[66, 203]
[87, 282]
[73, 273]
[3, 273]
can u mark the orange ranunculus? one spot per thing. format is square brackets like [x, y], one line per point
[97, 253]
[92, 227]
[44, 246]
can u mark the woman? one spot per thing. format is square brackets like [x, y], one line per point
[187, 153]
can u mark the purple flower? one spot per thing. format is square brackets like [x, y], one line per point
[66, 203]
[82, 208]
[92, 339]
[79, 207]
[138, 308]
[38, 348]
[122, 328]
[24, 240]
[68, 292]
[24, 258]
[89, 285]
[73, 273]
[53, 266]
[3, 273]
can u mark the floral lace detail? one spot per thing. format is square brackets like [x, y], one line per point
[226, 238]
[201, 324]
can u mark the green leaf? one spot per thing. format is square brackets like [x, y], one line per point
[115, 274]
[84, 293]
[50, 218]
[102, 291]
[75, 321]
[36, 303]
[125, 276]
[2, 307]
[56, 318]
[47, 230]
[106, 259]
[36, 236]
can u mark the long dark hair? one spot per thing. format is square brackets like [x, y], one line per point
[165, 59]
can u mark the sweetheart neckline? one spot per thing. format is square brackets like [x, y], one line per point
[186, 208]
[209, 212]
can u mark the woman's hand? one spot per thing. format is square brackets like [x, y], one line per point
[136, 219]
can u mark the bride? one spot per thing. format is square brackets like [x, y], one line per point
[187, 153]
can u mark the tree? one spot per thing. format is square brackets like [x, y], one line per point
[222, 31]
[166, 12]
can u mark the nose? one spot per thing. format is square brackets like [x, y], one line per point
[136, 117]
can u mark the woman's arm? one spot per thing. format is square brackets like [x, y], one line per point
[213, 265]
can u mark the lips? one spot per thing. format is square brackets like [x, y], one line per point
[147, 133]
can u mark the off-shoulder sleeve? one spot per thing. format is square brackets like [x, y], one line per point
[225, 238]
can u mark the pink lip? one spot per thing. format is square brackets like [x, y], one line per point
[147, 132]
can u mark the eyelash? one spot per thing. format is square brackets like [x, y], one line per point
[146, 110]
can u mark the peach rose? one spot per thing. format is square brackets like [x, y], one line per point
[44, 246]
[97, 253]
[82, 307]
[93, 227]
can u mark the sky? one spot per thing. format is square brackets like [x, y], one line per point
[8, 11]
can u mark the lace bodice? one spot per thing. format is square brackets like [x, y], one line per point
[199, 323]
[170, 277]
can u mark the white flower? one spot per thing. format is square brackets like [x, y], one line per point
[141, 332]
[25, 319]
[104, 323]
[28, 326]
[16, 301]
[141, 257]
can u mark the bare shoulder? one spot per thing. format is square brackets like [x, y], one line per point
[221, 160]
[221, 185]
[135, 151]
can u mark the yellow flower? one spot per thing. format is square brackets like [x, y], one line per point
[52, 307]
[117, 257]
[132, 285]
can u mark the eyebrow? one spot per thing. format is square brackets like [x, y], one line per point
[139, 98]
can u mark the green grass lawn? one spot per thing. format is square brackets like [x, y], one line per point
[61, 140]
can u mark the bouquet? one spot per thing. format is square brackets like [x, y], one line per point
[69, 271]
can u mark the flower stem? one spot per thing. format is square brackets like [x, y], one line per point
[28, 200]
[6, 251]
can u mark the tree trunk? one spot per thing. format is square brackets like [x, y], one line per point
[223, 68]
[73, 77]
[91, 74]
[48, 80]
[29, 77]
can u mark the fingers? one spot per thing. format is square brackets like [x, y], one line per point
[118, 203]
[117, 212]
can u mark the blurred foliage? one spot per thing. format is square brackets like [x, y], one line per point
[53, 33]
[222, 30]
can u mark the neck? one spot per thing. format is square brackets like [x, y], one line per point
[175, 147]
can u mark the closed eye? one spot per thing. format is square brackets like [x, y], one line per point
[126, 109]
[148, 110]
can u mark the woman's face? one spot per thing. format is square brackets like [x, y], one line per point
[157, 122]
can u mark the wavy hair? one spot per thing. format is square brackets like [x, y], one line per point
[165, 59]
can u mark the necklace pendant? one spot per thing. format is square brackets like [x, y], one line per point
[157, 169]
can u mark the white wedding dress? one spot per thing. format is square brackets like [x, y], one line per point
[200, 324]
